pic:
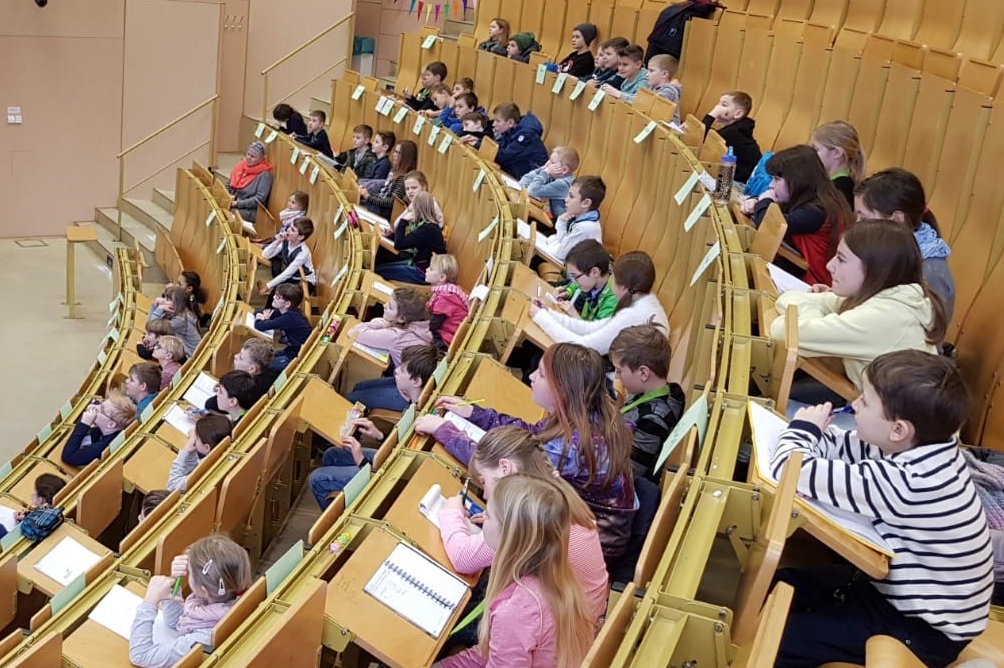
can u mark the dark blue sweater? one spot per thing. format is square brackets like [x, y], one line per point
[77, 454]
[293, 327]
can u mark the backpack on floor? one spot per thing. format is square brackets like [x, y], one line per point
[667, 35]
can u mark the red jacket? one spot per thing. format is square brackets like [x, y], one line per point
[815, 248]
[447, 309]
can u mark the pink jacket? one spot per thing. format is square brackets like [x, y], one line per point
[469, 553]
[378, 333]
[522, 632]
[448, 308]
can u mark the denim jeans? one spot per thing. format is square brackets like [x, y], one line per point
[378, 393]
[402, 271]
[336, 470]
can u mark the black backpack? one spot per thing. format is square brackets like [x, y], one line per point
[667, 35]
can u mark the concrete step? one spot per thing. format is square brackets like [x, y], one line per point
[104, 247]
[132, 230]
[164, 199]
[148, 212]
[453, 28]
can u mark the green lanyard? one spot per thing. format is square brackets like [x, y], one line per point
[476, 612]
[648, 396]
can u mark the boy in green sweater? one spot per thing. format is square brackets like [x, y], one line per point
[589, 295]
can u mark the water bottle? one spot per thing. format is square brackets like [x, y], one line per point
[726, 175]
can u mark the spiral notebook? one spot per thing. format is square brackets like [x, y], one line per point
[417, 588]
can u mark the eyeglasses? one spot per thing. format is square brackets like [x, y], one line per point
[575, 277]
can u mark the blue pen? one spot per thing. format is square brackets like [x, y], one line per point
[846, 409]
[463, 492]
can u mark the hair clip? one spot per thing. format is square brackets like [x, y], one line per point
[223, 588]
[205, 569]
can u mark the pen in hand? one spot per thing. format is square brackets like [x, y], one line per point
[463, 492]
[846, 409]
[177, 587]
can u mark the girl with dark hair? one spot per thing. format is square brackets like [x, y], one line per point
[403, 160]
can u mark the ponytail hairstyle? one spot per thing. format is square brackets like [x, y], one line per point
[810, 185]
[585, 408]
[895, 189]
[534, 526]
[841, 135]
[193, 285]
[891, 257]
[635, 272]
[523, 451]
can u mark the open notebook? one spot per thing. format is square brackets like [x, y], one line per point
[417, 588]
[117, 611]
[432, 503]
[766, 427]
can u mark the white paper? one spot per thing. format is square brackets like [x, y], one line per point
[480, 292]
[709, 257]
[432, 504]
[249, 323]
[523, 229]
[67, 561]
[201, 390]
[373, 218]
[784, 281]
[687, 186]
[510, 182]
[249, 227]
[697, 212]
[179, 419]
[8, 517]
[378, 353]
[117, 611]
[473, 431]
[695, 416]
[383, 287]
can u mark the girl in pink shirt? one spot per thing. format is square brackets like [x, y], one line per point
[504, 451]
[535, 615]
[405, 323]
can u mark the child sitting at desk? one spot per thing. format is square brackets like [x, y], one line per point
[731, 116]
[606, 63]
[236, 393]
[255, 358]
[463, 104]
[553, 180]
[505, 451]
[177, 309]
[878, 287]
[210, 430]
[340, 463]
[536, 612]
[448, 306]
[316, 137]
[168, 352]
[581, 219]
[902, 472]
[380, 198]
[580, 63]
[97, 428]
[583, 435]
[285, 318]
[414, 183]
[360, 156]
[405, 322]
[155, 329]
[634, 278]
[296, 207]
[378, 168]
[432, 74]
[442, 104]
[474, 128]
[151, 500]
[640, 355]
[590, 295]
[631, 70]
[289, 253]
[218, 571]
[47, 486]
[191, 283]
[417, 237]
[142, 384]
[519, 138]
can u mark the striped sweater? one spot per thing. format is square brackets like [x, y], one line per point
[923, 503]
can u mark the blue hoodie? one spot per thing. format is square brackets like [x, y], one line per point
[522, 149]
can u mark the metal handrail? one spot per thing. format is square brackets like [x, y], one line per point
[309, 42]
[169, 125]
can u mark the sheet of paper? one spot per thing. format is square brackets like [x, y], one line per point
[7, 517]
[523, 229]
[201, 390]
[479, 292]
[709, 258]
[117, 610]
[473, 431]
[383, 287]
[432, 503]
[67, 561]
[580, 86]
[510, 182]
[249, 323]
[379, 354]
[373, 218]
[178, 418]
[687, 187]
[784, 281]
[697, 212]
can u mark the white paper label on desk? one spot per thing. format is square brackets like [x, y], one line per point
[249, 321]
[271, 137]
[428, 42]
[294, 156]
[401, 113]
[510, 182]
[708, 181]
[697, 212]
[595, 102]
[67, 561]
[645, 132]
[485, 233]
[259, 131]
[559, 83]
[709, 257]
[433, 134]
[695, 416]
[784, 281]
[419, 124]
[201, 390]
[388, 106]
[358, 92]
[687, 187]
[383, 287]
[211, 217]
[379, 105]
[179, 419]
[313, 175]
[338, 214]
[304, 164]
[382, 355]
[541, 73]
[8, 517]
[340, 230]
[440, 371]
[523, 229]
[480, 292]
[445, 144]
[580, 86]
[341, 273]
[223, 244]
[479, 179]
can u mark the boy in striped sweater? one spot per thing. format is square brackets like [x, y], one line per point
[902, 469]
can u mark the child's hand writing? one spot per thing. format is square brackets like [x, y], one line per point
[818, 415]
[451, 404]
[428, 424]
[455, 503]
[159, 589]
[536, 305]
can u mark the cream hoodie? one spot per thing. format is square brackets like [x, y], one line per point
[894, 319]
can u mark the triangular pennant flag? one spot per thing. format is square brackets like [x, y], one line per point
[411, 8]
[421, 6]
[428, 12]
[437, 12]
[465, 5]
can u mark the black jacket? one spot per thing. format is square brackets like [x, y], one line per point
[739, 136]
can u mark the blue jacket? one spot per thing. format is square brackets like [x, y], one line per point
[454, 124]
[522, 149]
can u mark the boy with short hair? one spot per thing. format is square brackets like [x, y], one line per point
[442, 102]
[581, 219]
[902, 471]
[341, 462]
[289, 253]
[316, 137]
[255, 358]
[463, 104]
[474, 129]
[285, 318]
[653, 406]
[630, 68]
[552, 181]
[448, 306]
[379, 166]
[168, 352]
[236, 393]
[142, 384]
[732, 121]
[606, 63]
[590, 295]
[155, 329]
[432, 74]
[360, 156]
[463, 85]
[519, 138]
[661, 81]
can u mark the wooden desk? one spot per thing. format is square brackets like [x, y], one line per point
[23, 488]
[516, 310]
[375, 287]
[26, 566]
[94, 646]
[404, 514]
[324, 409]
[149, 466]
[502, 391]
[171, 435]
[378, 629]
[359, 365]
